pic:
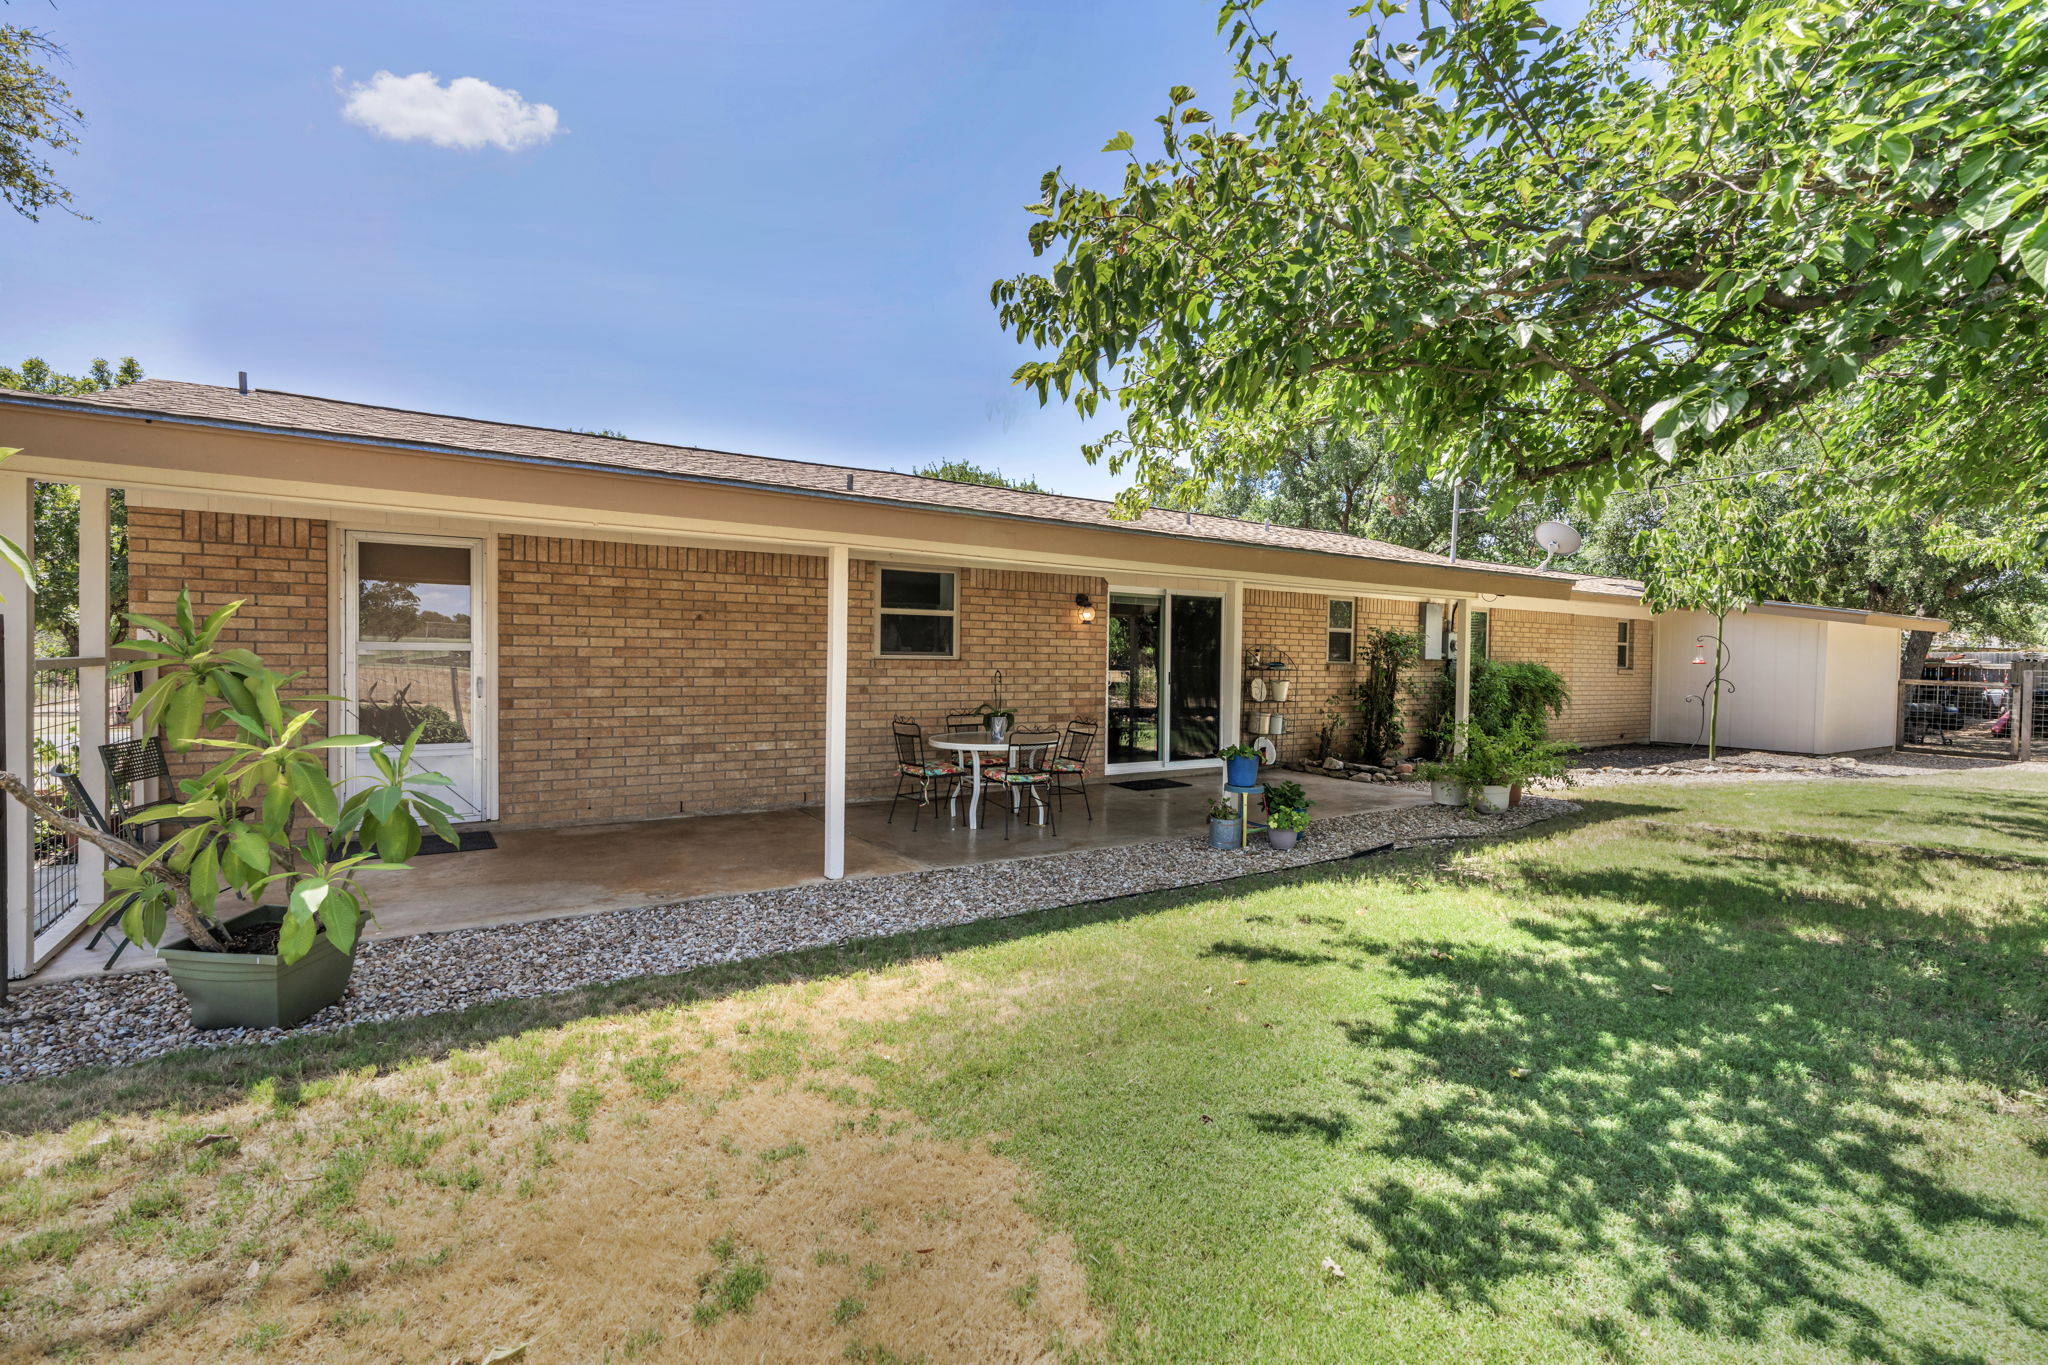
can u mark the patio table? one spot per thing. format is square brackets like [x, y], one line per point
[971, 745]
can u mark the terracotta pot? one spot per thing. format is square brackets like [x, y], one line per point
[1515, 794]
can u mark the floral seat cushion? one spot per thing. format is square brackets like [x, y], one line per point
[1069, 765]
[1021, 779]
[934, 769]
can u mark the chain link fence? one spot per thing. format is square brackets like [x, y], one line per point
[1998, 718]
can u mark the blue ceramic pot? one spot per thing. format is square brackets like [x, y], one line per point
[1241, 772]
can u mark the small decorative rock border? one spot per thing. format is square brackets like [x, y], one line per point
[110, 1020]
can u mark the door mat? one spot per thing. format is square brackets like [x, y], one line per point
[473, 841]
[1148, 784]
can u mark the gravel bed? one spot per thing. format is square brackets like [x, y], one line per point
[1688, 766]
[102, 1020]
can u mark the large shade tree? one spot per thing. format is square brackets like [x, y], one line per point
[1575, 257]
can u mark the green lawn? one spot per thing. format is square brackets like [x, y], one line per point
[1731, 1072]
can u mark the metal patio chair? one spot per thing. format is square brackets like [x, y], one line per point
[1027, 767]
[914, 767]
[89, 812]
[976, 719]
[1070, 764]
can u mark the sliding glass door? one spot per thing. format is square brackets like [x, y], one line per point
[1165, 677]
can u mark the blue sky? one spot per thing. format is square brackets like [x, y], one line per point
[767, 227]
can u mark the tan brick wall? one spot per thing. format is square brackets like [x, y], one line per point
[641, 680]
[649, 680]
[1298, 623]
[1608, 705]
[276, 565]
[1026, 624]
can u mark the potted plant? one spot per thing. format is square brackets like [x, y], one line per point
[1285, 825]
[999, 723]
[1240, 765]
[265, 821]
[1525, 753]
[1223, 827]
[1285, 796]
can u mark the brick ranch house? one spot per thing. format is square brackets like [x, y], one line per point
[610, 630]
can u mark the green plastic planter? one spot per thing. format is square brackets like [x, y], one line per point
[256, 990]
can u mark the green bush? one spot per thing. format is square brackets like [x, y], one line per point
[1504, 696]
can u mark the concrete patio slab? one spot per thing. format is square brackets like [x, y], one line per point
[539, 874]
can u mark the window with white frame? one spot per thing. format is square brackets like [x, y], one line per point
[1624, 646]
[1342, 629]
[917, 614]
[1479, 632]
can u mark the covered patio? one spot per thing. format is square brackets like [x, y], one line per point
[576, 870]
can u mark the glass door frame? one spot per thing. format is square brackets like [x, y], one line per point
[1164, 597]
[483, 726]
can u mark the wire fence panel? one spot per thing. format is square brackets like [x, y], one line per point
[1974, 719]
[55, 742]
[55, 729]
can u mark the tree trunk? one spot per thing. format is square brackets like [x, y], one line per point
[119, 849]
[1914, 658]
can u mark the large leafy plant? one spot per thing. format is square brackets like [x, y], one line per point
[265, 821]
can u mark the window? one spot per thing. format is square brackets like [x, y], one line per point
[1341, 630]
[917, 614]
[1624, 646]
[1480, 623]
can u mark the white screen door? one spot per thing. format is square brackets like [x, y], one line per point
[415, 655]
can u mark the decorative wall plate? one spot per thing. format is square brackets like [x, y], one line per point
[1269, 752]
[1258, 689]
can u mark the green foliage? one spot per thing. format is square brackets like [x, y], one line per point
[36, 119]
[1573, 256]
[1223, 809]
[966, 471]
[1288, 817]
[1503, 694]
[1286, 796]
[295, 838]
[1382, 654]
[1499, 758]
[1237, 751]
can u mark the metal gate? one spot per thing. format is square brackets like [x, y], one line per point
[1983, 719]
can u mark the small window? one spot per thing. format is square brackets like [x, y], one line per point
[1624, 645]
[1341, 630]
[917, 616]
[1480, 623]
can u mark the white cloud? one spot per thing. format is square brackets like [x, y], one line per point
[465, 113]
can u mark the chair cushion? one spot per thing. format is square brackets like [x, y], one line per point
[1069, 765]
[930, 769]
[1022, 779]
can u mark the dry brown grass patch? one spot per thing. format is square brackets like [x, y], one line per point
[707, 1183]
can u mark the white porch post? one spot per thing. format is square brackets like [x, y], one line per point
[836, 584]
[1461, 706]
[1232, 720]
[93, 557]
[18, 613]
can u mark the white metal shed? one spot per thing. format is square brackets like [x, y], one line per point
[1808, 680]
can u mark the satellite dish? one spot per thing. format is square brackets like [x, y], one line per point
[1556, 538]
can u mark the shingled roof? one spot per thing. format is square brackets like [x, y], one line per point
[269, 410]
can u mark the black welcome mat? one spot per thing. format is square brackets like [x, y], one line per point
[1149, 784]
[473, 841]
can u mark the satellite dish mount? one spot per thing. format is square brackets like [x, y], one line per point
[1555, 538]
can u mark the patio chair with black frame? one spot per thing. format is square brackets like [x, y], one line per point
[917, 768]
[89, 811]
[1070, 764]
[1027, 767]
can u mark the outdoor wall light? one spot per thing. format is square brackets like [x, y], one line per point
[1087, 606]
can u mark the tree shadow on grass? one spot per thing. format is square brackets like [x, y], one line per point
[1745, 1153]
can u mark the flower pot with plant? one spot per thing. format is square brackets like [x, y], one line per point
[264, 822]
[1285, 826]
[1240, 765]
[1285, 796]
[1000, 723]
[1223, 826]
